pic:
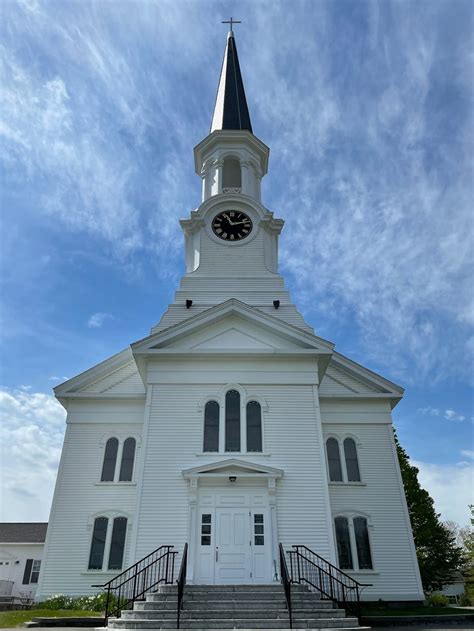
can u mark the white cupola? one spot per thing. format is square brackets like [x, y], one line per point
[231, 159]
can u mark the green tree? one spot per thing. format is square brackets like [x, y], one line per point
[438, 555]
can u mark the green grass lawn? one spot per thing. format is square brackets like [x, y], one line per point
[18, 617]
[378, 610]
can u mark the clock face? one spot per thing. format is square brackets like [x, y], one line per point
[232, 225]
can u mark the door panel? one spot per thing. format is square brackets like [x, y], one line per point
[232, 545]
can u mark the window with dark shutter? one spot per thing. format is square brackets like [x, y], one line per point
[254, 426]
[96, 558]
[110, 458]
[343, 542]
[27, 572]
[364, 556]
[211, 426]
[334, 460]
[128, 457]
[352, 464]
[35, 570]
[232, 421]
[117, 544]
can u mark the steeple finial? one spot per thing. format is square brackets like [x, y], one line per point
[231, 21]
[230, 110]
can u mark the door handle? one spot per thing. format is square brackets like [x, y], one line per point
[217, 554]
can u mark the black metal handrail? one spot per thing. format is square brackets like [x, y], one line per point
[134, 582]
[182, 582]
[286, 581]
[325, 578]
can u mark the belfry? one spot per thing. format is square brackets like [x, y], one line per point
[232, 439]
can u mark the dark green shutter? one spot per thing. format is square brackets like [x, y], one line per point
[27, 574]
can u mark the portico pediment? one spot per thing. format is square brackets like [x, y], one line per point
[232, 467]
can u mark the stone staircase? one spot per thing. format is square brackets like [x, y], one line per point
[234, 607]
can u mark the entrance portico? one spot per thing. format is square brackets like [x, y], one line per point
[232, 523]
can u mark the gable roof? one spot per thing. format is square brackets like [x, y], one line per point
[23, 532]
[160, 340]
[160, 344]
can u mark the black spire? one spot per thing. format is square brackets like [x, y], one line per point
[230, 110]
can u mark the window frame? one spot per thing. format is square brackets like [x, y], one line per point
[220, 399]
[118, 460]
[35, 569]
[350, 516]
[111, 516]
[342, 459]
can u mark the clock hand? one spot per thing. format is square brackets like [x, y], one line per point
[236, 223]
[228, 219]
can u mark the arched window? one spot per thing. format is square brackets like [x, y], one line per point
[361, 533]
[98, 552]
[117, 543]
[254, 426]
[343, 542]
[99, 534]
[231, 176]
[211, 426]
[110, 458]
[128, 457]
[334, 460]
[353, 544]
[232, 421]
[352, 464]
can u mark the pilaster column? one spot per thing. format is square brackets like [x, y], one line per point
[274, 524]
[193, 497]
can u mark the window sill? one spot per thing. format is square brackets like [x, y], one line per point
[115, 484]
[347, 483]
[231, 454]
[361, 572]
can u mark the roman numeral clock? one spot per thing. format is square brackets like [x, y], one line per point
[232, 225]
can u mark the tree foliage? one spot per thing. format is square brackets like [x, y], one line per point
[438, 555]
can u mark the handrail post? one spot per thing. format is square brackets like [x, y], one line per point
[107, 600]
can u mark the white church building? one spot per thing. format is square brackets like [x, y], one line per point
[232, 427]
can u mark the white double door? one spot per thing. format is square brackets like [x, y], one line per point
[233, 545]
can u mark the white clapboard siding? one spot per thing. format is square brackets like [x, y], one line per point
[78, 496]
[177, 313]
[126, 379]
[175, 438]
[337, 381]
[380, 498]
[218, 259]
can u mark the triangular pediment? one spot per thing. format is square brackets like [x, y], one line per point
[115, 377]
[233, 467]
[232, 326]
[346, 379]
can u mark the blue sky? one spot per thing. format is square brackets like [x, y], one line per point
[367, 109]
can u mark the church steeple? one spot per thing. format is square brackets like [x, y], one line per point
[230, 110]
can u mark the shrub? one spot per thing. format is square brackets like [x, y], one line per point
[438, 600]
[464, 600]
[95, 602]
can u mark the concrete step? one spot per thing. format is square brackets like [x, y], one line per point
[230, 613]
[236, 623]
[232, 604]
[230, 595]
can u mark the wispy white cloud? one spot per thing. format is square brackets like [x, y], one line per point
[96, 320]
[366, 152]
[448, 414]
[451, 487]
[31, 433]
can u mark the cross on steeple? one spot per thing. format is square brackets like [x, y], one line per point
[231, 21]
